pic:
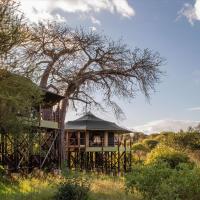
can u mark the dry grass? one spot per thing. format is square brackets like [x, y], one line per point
[109, 189]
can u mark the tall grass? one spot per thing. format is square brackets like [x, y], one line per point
[109, 188]
[29, 188]
[45, 187]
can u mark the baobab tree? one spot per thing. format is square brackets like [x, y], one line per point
[81, 63]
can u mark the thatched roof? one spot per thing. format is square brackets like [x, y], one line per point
[91, 122]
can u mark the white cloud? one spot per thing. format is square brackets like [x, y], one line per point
[92, 28]
[95, 21]
[165, 125]
[191, 12]
[123, 8]
[42, 9]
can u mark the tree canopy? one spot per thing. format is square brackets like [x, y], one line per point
[18, 98]
[11, 26]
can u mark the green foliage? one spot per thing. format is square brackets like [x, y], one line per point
[18, 97]
[150, 143]
[139, 150]
[183, 140]
[11, 26]
[159, 182]
[2, 170]
[29, 187]
[69, 191]
[168, 155]
[139, 147]
[74, 189]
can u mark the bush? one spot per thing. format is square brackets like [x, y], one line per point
[167, 155]
[183, 140]
[159, 182]
[75, 188]
[69, 191]
[2, 170]
[150, 143]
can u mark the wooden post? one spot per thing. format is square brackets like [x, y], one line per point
[67, 149]
[79, 148]
[130, 160]
[118, 156]
[125, 155]
[106, 139]
[102, 156]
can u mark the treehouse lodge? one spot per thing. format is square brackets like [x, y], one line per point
[96, 144]
[40, 147]
[90, 143]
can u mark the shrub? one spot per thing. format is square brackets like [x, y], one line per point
[159, 182]
[150, 143]
[75, 188]
[183, 140]
[2, 170]
[168, 155]
[70, 191]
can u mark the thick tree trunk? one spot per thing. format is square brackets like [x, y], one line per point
[46, 74]
[64, 107]
[45, 77]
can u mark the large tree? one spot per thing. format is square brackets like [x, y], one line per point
[82, 64]
[79, 62]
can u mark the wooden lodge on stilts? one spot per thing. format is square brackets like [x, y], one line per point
[93, 144]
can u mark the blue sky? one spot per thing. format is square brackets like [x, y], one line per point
[171, 27]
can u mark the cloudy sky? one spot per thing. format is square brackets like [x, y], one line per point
[171, 27]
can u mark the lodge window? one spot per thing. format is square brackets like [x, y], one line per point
[96, 139]
[73, 139]
[111, 139]
[82, 138]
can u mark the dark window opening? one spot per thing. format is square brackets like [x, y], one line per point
[73, 139]
[111, 139]
[82, 138]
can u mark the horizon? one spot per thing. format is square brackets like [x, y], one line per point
[172, 29]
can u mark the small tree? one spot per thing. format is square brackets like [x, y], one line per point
[139, 150]
[18, 97]
[150, 143]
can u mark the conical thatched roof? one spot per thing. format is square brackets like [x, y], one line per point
[91, 122]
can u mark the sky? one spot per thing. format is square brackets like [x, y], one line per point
[171, 27]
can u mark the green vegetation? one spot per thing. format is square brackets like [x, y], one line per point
[168, 155]
[139, 151]
[12, 31]
[18, 97]
[49, 187]
[160, 182]
[170, 170]
[150, 143]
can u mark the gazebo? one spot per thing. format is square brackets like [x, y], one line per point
[93, 143]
